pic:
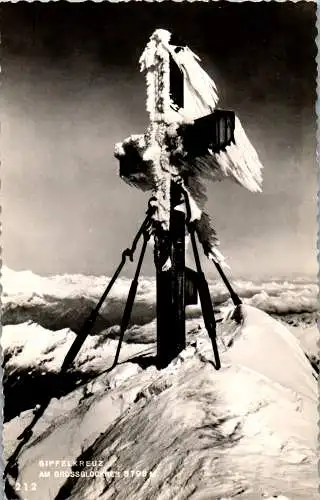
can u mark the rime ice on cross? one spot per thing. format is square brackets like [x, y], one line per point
[181, 100]
[187, 140]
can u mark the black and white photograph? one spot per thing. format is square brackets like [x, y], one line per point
[159, 251]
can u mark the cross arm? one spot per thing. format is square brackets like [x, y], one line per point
[134, 169]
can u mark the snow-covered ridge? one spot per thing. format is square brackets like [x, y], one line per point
[64, 301]
[187, 432]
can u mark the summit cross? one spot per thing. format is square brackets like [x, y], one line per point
[187, 140]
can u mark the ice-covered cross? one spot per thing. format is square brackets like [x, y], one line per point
[187, 141]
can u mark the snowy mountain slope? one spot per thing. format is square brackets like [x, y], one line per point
[33, 357]
[30, 346]
[248, 430]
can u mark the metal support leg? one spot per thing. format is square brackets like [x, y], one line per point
[234, 296]
[203, 288]
[205, 301]
[89, 323]
[130, 300]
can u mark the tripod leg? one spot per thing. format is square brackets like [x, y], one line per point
[203, 288]
[205, 301]
[130, 300]
[208, 315]
[89, 322]
[234, 296]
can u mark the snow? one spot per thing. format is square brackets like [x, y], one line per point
[273, 347]
[308, 337]
[248, 430]
[30, 346]
[29, 343]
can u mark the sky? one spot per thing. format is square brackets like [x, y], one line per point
[71, 89]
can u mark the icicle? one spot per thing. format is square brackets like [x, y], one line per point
[241, 161]
[200, 91]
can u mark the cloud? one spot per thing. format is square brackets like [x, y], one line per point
[65, 301]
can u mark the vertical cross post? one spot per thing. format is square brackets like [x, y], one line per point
[171, 335]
